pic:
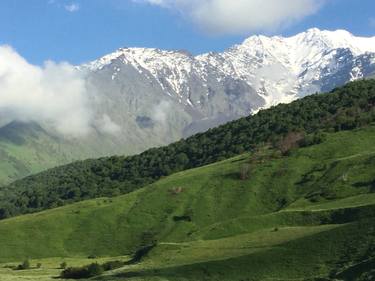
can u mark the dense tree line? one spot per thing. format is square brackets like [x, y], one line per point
[344, 108]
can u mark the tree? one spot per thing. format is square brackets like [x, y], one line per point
[290, 141]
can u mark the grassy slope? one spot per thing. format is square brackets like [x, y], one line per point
[26, 149]
[320, 200]
[19, 159]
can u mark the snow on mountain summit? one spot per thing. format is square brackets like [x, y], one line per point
[279, 69]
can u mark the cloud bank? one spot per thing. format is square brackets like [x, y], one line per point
[54, 94]
[241, 16]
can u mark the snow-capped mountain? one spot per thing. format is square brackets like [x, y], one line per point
[277, 69]
[150, 97]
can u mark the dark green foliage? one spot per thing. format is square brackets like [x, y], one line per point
[312, 139]
[63, 265]
[345, 108]
[140, 254]
[23, 266]
[111, 265]
[182, 218]
[88, 271]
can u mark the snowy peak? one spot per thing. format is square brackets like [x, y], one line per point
[140, 56]
[278, 69]
[296, 48]
[314, 37]
[339, 39]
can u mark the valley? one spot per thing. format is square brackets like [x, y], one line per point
[291, 219]
[187, 140]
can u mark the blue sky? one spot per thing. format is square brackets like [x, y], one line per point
[81, 30]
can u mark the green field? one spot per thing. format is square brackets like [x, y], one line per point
[305, 216]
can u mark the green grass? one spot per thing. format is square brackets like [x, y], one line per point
[31, 152]
[304, 216]
[50, 268]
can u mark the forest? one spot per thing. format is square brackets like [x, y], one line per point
[344, 108]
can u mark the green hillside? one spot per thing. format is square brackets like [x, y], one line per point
[258, 216]
[346, 108]
[28, 149]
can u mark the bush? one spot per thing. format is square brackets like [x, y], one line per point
[63, 265]
[111, 265]
[38, 265]
[24, 265]
[182, 218]
[140, 254]
[87, 271]
[313, 139]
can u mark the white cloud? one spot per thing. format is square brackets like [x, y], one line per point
[73, 7]
[160, 111]
[54, 94]
[106, 125]
[241, 16]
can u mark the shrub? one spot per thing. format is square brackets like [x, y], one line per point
[38, 265]
[182, 218]
[111, 265]
[140, 254]
[90, 270]
[312, 139]
[24, 265]
[63, 265]
[87, 271]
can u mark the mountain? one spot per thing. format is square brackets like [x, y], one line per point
[260, 72]
[211, 89]
[151, 97]
[304, 120]
[306, 216]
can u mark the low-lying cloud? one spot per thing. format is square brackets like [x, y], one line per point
[160, 112]
[241, 16]
[53, 94]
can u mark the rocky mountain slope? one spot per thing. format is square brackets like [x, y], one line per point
[184, 94]
[151, 97]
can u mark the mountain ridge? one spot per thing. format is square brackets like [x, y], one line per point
[150, 98]
[303, 56]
